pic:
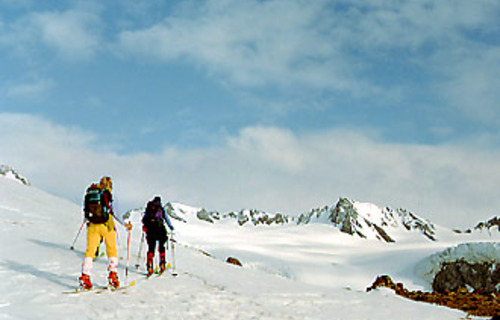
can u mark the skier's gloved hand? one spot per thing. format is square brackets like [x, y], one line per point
[128, 225]
[144, 229]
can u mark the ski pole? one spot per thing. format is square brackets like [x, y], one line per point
[128, 255]
[174, 272]
[77, 235]
[140, 252]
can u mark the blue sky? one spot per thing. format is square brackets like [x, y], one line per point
[279, 105]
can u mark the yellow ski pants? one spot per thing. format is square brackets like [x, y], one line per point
[96, 232]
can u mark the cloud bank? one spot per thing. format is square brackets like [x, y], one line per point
[267, 168]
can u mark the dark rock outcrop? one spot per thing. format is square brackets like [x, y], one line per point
[234, 261]
[473, 303]
[481, 277]
[7, 171]
[493, 222]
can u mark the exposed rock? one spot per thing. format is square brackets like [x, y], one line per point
[475, 304]
[12, 173]
[473, 253]
[478, 277]
[493, 222]
[306, 218]
[383, 234]
[411, 222]
[346, 217]
[234, 261]
[208, 216]
[169, 209]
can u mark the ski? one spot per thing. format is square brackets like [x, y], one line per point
[149, 275]
[100, 289]
[82, 290]
[97, 290]
[159, 274]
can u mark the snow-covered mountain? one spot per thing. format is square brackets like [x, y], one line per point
[355, 218]
[290, 270]
[367, 220]
[11, 173]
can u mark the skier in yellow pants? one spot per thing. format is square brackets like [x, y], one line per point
[98, 209]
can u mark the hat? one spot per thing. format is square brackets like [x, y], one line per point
[157, 199]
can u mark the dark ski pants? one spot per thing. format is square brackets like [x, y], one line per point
[156, 236]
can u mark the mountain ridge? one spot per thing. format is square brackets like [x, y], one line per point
[363, 220]
[11, 173]
[360, 219]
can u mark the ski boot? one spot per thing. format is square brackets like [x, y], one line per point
[85, 283]
[113, 280]
[162, 263]
[149, 264]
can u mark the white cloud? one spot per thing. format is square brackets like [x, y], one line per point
[248, 43]
[472, 83]
[73, 34]
[30, 89]
[334, 46]
[263, 167]
[386, 25]
[254, 41]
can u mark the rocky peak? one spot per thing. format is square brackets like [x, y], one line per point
[412, 222]
[252, 216]
[350, 220]
[493, 222]
[367, 220]
[483, 225]
[9, 172]
[345, 216]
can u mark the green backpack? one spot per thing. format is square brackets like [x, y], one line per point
[94, 207]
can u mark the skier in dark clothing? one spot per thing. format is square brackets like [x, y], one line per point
[153, 221]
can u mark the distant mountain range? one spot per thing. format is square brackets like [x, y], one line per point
[364, 220]
[483, 226]
[355, 218]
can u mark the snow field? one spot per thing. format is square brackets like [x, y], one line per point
[290, 272]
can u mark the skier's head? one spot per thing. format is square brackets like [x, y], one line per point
[106, 183]
[157, 200]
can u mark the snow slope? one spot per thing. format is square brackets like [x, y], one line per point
[290, 272]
